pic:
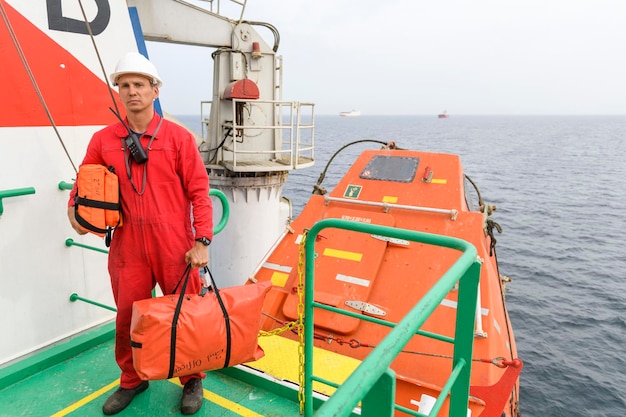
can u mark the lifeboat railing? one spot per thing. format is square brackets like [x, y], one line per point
[453, 213]
[373, 382]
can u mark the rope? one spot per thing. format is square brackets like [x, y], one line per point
[490, 226]
[500, 361]
[95, 47]
[503, 280]
[481, 203]
[22, 56]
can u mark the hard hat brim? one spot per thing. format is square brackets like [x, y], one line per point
[116, 75]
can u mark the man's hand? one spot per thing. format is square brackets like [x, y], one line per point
[198, 255]
[71, 214]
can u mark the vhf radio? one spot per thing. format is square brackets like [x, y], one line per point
[132, 143]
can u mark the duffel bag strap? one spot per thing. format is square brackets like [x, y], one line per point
[226, 317]
[185, 279]
[108, 232]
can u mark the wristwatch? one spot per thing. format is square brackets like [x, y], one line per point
[204, 240]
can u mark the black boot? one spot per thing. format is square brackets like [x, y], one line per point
[192, 396]
[120, 399]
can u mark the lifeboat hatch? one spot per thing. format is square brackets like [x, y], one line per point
[345, 269]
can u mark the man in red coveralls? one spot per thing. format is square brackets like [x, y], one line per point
[158, 197]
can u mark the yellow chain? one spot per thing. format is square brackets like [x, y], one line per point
[279, 330]
[300, 323]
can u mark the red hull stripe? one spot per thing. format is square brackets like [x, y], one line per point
[72, 93]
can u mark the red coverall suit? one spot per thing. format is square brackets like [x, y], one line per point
[156, 233]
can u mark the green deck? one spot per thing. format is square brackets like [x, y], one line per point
[80, 385]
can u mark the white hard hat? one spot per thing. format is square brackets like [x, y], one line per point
[135, 63]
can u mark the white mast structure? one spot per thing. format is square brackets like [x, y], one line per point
[252, 139]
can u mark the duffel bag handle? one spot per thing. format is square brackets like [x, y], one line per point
[179, 304]
[225, 313]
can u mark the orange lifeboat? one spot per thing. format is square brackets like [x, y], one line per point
[384, 278]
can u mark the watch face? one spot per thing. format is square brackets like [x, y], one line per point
[204, 241]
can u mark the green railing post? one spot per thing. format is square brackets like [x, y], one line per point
[380, 399]
[464, 338]
[14, 193]
[309, 325]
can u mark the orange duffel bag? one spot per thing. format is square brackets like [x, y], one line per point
[176, 335]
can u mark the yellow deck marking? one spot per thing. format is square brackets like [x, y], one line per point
[279, 279]
[439, 181]
[208, 395]
[281, 361]
[390, 199]
[86, 399]
[342, 254]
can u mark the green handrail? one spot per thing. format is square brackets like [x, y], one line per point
[14, 193]
[366, 381]
[71, 242]
[225, 210]
[76, 297]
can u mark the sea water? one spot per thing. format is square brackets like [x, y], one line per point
[559, 184]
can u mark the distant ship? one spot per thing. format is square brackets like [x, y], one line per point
[443, 115]
[353, 113]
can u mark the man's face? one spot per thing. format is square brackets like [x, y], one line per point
[136, 92]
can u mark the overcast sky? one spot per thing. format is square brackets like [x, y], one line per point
[421, 57]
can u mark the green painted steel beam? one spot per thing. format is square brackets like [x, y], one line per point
[464, 339]
[379, 401]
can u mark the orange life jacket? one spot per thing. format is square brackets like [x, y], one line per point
[97, 200]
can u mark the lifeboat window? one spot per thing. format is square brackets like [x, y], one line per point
[391, 168]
